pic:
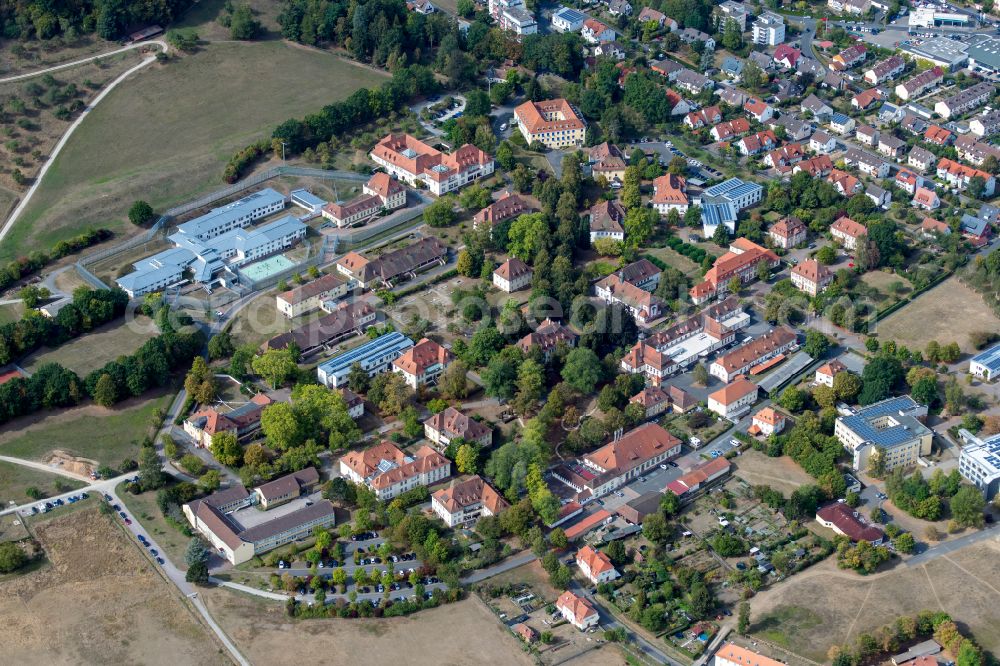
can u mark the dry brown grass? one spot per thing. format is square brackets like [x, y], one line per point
[947, 313]
[825, 606]
[94, 350]
[782, 473]
[461, 633]
[99, 601]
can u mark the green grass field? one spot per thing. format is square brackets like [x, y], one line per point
[93, 350]
[108, 436]
[144, 508]
[11, 312]
[166, 134]
[16, 479]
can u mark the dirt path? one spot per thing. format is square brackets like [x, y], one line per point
[9, 224]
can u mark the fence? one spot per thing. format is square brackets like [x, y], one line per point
[168, 216]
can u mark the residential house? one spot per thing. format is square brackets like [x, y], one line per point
[648, 14]
[822, 143]
[422, 363]
[595, 566]
[976, 229]
[595, 32]
[890, 113]
[611, 168]
[612, 50]
[732, 67]
[867, 163]
[670, 193]
[758, 110]
[817, 107]
[788, 232]
[690, 36]
[850, 57]
[846, 184]
[465, 502]
[985, 124]
[965, 100]
[734, 97]
[919, 84]
[885, 70]
[734, 399]
[642, 273]
[890, 146]
[754, 144]
[795, 129]
[726, 130]
[606, 221]
[389, 472]
[692, 82]
[811, 277]
[786, 56]
[973, 151]
[879, 196]
[785, 156]
[913, 124]
[826, 373]
[865, 99]
[744, 358]
[567, 19]
[767, 422]
[647, 360]
[841, 124]
[817, 167]
[512, 275]
[413, 161]
[619, 8]
[355, 403]
[908, 181]
[958, 176]
[668, 68]
[710, 115]
[444, 427]
[866, 134]
[553, 123]
[577, 611]
[931, 228]
[847, 232]
[921, 158]
[939, 136]
[547, 337]
[926, 199]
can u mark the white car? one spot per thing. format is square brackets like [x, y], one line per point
[503, 128]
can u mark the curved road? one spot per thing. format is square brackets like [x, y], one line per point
[76, 123]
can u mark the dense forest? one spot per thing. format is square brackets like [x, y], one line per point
[110, 19]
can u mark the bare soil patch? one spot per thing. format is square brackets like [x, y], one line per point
[98, 601]
[461, 633]
[947, 313]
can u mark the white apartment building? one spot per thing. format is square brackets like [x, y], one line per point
[891, 429]
[734, 399]
[769, 29]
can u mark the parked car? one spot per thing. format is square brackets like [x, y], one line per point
[160, 561]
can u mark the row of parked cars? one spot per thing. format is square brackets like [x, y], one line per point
[48, 506]
[152, 551]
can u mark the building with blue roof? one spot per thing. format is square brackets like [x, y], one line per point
[234, 215]
[979, 463]
[986, 364]
[567, 19]
[305, 199]
[721, 203]
[891, 429]
[374, 357]
[207, 259]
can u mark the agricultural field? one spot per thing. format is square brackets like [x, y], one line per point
[37, 111]
[264, 634]
[16, 479]
[174, 130]
[97, 601]
[95, 349]
[947, 313]
[782, 473]
[799, 613]
[105, 435]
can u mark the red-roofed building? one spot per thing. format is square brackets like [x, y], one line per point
[766, 422]
[847, 231]
[939, 136]
[508, 206]
[618, 462]
[243, 421]
[811, 277]
[653, 400]
[591, 522]
[578, 611]
[465, 502]
[826, 372]
[817, 167]
[732, 364]
[786, 56]
[958, 175]
[741, 261]
[512, 275]
[788, 232]
[844, 520]
[596, 566]
[701, 474]
[758, 110]
[554, 123]
[926, 199]
[413, 161]
[733, 399]
[729, 129]
[670, 193]
[422, 363]
[389, 472]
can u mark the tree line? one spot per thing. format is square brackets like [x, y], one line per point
[89, 309]
[45, 19]
[23, 267]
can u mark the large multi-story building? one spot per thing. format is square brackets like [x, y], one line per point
[344, 320]
[553, 123]
[644, 306]
[734, 399]
[733, 194]
[742, 359]
[740, 261]
[466, 502]
[788, 232]
[382, 192]
[811, 277]
[373, 357]
[396, 266]
[389, 472]
[414, 162]
[959, 175]
[547, 337]
[979, 463]
[769, 29]
[596, 566]
[240, 532]
[891, 429]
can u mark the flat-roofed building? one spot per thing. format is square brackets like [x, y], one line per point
[986, 364]
[979, 463]
[373, 357]
[892, 429]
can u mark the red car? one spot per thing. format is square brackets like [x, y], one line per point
[128, 521]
